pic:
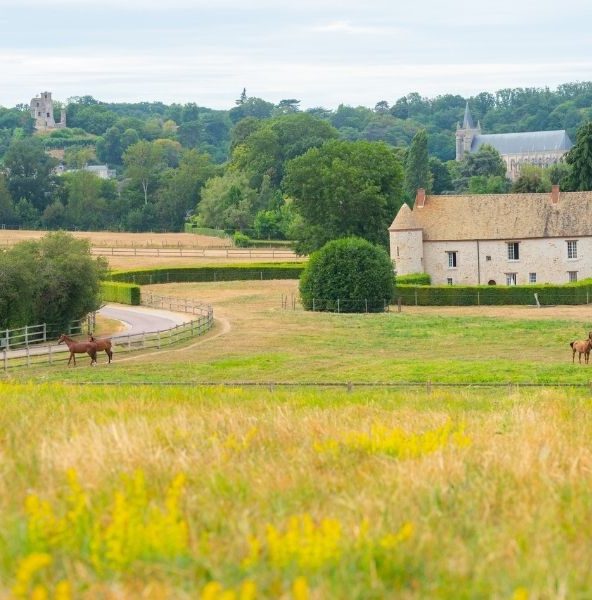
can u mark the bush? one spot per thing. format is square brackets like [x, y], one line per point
[212, 273]
[473, 295]
[347, 275]
[124, 293]
[241, 240]
[413, 279]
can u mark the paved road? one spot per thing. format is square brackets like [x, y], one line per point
[138, 319]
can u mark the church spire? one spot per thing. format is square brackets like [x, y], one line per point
[468, 120]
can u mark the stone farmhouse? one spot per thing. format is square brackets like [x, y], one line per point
[42, 111]
[540, 148]
[503, 239]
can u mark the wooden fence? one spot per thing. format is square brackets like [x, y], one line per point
[266, 253]
[50, 354]
[33, 334]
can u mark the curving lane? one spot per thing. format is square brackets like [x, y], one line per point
[140, 319]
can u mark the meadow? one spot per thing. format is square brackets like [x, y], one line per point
[215, 471]
[144, 492]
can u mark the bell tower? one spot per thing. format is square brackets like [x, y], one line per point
[466, 134]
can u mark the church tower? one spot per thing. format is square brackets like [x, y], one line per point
[466, 134]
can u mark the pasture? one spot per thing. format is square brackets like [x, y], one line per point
[198, 490]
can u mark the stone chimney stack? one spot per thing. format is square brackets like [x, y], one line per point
[420, 198]
[555, 195]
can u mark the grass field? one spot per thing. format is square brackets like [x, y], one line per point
[237, 492]
[255, 340]
[136, 492]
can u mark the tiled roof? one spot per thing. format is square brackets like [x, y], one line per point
[519, 143]
[500, 216]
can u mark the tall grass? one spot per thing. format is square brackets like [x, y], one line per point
[232, 493]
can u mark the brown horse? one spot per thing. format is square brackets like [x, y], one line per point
[103, 344]
[582, 347]
[75, 347]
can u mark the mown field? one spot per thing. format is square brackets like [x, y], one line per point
[113, 486]
[256, 340]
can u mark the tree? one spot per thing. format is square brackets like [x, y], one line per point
[349, 275]
[342, 189]
[580, 159]
[7, 214]
[486, 162]
[417, 167]
[53, 280]
[86, 207]
[532, 179]
[266, 150]
[243, 97]
[143, 163]
[180, 189]
[286, 106]
[29, 171]
[441, 179]
[228, 202]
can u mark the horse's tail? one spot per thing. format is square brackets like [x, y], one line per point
[571, 344]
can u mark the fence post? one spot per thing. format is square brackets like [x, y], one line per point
[45, 332]
[7, 347]
[415, 297]
[158, 339]
[313, 304]
[5, 359]
[337, 305]
[399, 301]
[28, 357]
[366, 301]
[49, 353]
[27, 336]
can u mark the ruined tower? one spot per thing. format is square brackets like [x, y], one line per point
[42, 112]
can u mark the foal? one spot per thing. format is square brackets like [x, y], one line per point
[582, 347]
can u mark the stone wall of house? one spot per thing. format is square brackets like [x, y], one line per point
[487, 261]
[407, 251]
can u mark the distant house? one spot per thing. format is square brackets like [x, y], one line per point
[102, 171]
[540, 148]
[505, 239]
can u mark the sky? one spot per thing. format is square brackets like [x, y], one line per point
[321, 52]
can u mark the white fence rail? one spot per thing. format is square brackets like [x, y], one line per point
[197, 252]
[32, 334]
[50, 354]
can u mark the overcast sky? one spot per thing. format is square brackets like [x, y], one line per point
[321, 52]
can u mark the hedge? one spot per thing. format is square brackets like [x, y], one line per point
[457, 295]
[124, 293]
[190, 228]
[210, 273]
[413, 279]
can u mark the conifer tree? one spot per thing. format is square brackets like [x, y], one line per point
[417, 167]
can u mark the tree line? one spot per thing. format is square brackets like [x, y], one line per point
[269, 171]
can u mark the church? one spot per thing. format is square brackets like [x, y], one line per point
[539, 148]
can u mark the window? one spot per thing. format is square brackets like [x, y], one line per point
[510, 278]
[572, 275]
[513, 250]
[397, 250]
[572, 249]
[488, 258]
[449, 280]
[532, 278]
[452, 262]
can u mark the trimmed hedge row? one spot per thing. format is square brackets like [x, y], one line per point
[124, 293]
[210, 273]
[413, 279]
[456, 295]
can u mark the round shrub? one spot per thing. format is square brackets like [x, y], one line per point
[347, 275]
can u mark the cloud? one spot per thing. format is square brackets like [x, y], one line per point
[347, 28]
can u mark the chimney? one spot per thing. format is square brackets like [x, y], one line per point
[420, 198]
[555, 195]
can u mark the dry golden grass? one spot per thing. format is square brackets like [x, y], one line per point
[109, 239]
[507, 512]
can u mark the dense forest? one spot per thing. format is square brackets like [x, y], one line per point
[237, 169]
